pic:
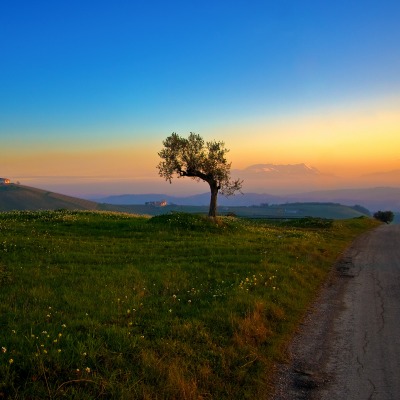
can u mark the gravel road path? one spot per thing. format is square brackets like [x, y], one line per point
[349, 345]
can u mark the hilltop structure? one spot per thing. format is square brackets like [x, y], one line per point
[4, 181]
[161, 203]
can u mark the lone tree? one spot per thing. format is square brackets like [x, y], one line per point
[384, 216]
[199, 160]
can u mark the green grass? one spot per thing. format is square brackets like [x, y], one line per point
[107, 305]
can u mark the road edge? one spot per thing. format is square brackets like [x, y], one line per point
[303, 376]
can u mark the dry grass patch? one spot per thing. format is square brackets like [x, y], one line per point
[253, 329]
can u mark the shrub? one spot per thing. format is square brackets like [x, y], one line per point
[186, 221]
[384, 216]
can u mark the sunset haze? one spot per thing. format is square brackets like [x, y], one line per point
[89, 90]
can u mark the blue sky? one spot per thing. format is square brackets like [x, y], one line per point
[80, 76]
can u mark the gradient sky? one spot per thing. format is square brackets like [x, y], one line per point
[89, 89]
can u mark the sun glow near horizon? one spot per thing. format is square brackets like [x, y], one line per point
[346, 142]
[90, 92]
[350, 141]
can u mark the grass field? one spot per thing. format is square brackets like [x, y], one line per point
[116, 306]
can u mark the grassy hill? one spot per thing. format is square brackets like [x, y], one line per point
[18, 198]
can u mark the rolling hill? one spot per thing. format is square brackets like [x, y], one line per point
[202, 199]
[374, 199]
[18, 197]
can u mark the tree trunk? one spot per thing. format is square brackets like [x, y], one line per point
[212, 212]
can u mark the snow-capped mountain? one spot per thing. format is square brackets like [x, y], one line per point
[282, 178]
[281, 169]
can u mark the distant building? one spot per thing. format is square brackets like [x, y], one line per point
[161, 203]
[4, 181]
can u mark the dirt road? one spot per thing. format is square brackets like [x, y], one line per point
[349, 345]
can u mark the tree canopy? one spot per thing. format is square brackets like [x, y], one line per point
[194, 158]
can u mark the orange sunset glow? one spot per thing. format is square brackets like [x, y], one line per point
[279, 85]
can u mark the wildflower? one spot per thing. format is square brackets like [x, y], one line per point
[128, 311]
[59, 350]
[189, 301]
[10, 360]
[87, 369]
[174, 296]
[3, 349]
[63, 326]
[84, 354]
[13, 331]
[60, 334]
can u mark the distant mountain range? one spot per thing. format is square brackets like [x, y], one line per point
[374, 199]
[279, 170]
[19, 197]
[297, 178]
[24, 198]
